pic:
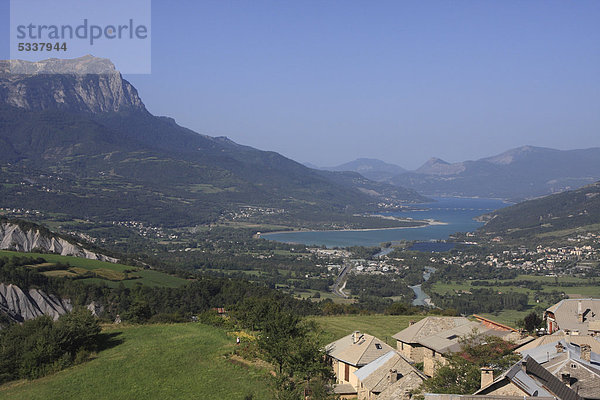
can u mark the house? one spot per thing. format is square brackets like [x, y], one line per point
[436, 396]
[526, 378]
[577, 366]
[431, 339]
[390, 376]
[579, 340]
[574, 316]
[350, 353]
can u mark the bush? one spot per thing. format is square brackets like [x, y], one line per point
[41, 346]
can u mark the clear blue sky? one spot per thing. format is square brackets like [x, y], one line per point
[330, 81]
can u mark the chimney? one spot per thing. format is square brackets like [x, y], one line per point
[411, 322]
[586, 352]
[524, 365]
[559, 347]
[487, 376]
[393, 376]
[355, 337]
[566, 379]
[580, 312]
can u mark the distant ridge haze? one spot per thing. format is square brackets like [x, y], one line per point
[516, 174]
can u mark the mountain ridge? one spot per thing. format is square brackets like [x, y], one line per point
[95, 133]
[516, 174]
[370, 168]
[567, 210]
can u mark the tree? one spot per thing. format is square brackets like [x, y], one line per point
[461, 375]
[532, 321]
[294, 346]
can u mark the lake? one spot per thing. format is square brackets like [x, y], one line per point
[456, 212]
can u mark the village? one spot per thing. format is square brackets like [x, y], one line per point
[563, 363]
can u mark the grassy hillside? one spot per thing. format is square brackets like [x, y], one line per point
[105, 272]
[152, 362]
[563, 213]
[381, 326]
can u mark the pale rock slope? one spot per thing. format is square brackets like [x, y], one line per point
[20, 306]
[13, 237]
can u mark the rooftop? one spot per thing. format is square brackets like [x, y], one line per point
[358, 352]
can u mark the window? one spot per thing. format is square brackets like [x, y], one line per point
[377, 346]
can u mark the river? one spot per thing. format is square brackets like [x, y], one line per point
[422, 298]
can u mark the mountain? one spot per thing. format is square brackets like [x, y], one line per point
[28, 237]
[571, 209]
[384, 192]
[517, 174]
[370, 168]
[82, 145]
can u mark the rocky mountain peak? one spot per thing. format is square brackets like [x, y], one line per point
[86, 84]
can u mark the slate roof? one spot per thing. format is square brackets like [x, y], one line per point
[443, 334]
[566, 314]
[428, 326]
[397, 390]
[374, 376]
[587, 373]
[560, 335]
[534, 380]
[367, 349]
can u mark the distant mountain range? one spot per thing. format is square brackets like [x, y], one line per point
[517, 174]
[370, 168]
[576, 209]
[82, 145]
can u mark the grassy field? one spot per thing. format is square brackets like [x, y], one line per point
[381, 326]
[183, 361]
[105, 272]
[572, 286]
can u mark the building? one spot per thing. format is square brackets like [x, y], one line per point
[574, 316]
[577, 366]
[527, 378]
[579, 340]
[390, 376]
[350, 353]
[432, 338]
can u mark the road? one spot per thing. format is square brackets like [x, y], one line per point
[340, 282]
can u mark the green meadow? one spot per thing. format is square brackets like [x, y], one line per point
[180, 361]
[101, 271]
[381, 326]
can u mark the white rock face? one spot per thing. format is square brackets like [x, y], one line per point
[85, 84]
[21, 306]
[12, 237]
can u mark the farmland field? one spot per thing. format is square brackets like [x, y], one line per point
[105, 272]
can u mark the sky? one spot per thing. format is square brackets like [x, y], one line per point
[329, 81]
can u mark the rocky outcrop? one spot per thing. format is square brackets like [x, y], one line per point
[21, 306]
[14, 237]
[85, 84]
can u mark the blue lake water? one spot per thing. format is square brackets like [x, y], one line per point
[457, 213]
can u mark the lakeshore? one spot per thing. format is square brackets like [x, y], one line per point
[440, 220]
